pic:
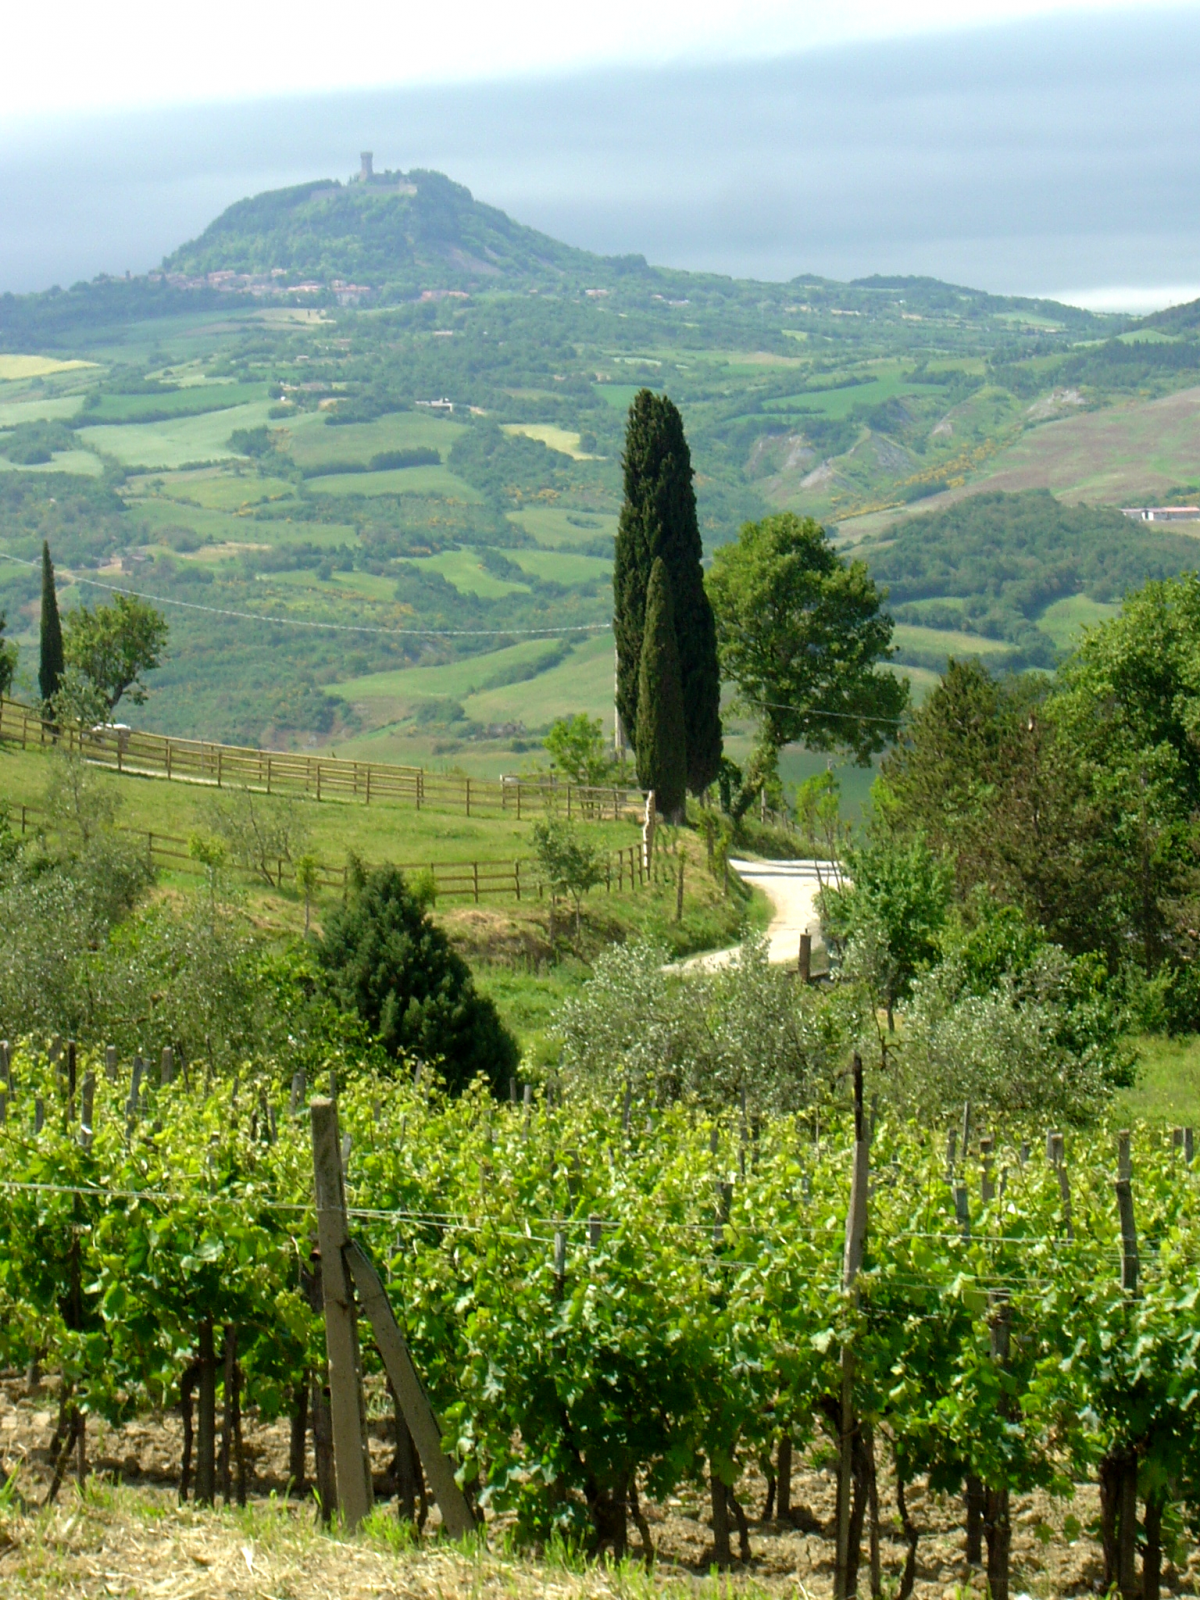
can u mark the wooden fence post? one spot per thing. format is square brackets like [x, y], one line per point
[352, 1464]
[846, 1570]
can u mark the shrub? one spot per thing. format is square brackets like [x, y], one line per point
[384, 958]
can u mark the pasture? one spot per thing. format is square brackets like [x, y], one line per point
[561, 439]
[466, 572]
[152, 445]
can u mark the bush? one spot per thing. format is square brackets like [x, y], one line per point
[384, 958]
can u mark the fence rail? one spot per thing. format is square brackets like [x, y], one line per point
[317, 777]
[520, 878]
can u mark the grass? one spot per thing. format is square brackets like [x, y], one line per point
[313, 444]
[174, 444]
[453, 679]
[1168, 1087]
[1065, 619]
[838, 403]
[365, 585]
[561, 528]
[559, 566]
[231, 528]
[38, 409]
[560, 439]
[948, 641]
[223, 491]
[14, 368]
[438, 481]
[1110, 457]
[466, 572]
[123, 1540]
[582, 682]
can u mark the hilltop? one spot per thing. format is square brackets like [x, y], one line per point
[414, 231]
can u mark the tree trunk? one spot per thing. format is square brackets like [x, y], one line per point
[873, 1519]
[999, 1542]
[974, 1498]
[911, 1539]
[206, 1432]
[1152, 1548]
[1127, 1530]
[297, 1479]
[783, 1472]
[1110, 1495]
[722, 1557]
[187, 1389]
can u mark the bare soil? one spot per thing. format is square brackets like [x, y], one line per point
[196, 1552]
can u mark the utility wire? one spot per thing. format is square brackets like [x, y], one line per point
[336, 627]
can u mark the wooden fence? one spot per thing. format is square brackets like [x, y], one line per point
[519, 878]
[318, 777]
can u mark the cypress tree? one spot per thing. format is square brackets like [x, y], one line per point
[50, 665]
[658, 518]
[661, 731]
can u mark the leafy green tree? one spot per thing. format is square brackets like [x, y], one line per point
[578, 747]
[384, 958]
[801, 633]
[115, 645]
[50, 661]
[658, 520]
[8, 658]
[661, 732]
[889, 909]
[572, 864]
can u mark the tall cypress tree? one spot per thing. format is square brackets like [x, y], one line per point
[661, 732]
[658, 518]
[50, 665]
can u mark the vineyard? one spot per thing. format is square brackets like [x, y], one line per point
[614, 1306]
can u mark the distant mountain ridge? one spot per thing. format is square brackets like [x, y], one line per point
[417, 230]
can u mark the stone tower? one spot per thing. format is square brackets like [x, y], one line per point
[367, 170]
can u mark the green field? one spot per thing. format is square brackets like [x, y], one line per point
[173, 444]
[38, 408]
[583, 682]
[1065, 619]
[222, 491]
[561, 567]
[946, 641]
[561, 439]
[312, 443]
[456, 679]
[401, 480]
[463, 569]
[559, 527]
[838, 403]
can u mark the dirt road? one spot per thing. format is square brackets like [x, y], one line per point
[792, 888]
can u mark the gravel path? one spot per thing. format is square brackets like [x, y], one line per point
[792, 888]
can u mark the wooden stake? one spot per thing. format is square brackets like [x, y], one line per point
[418, 1413]
[110, 1063]
[351, 1458]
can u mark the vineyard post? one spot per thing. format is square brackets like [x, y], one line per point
[845, 1576]
[351, 1459]
[996, 1513]
[966, 1128]
[987, 1186]
[951, 1153]
[110, 1063]
[89, 1101]
[5, 1064]
[423, 1425]
[1127, 1485]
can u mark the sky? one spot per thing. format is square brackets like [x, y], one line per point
[1029, 148]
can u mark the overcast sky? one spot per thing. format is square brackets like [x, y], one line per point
[1041, 149]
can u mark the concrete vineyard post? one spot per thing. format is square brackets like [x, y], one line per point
[351, 1459]
[110, 1063]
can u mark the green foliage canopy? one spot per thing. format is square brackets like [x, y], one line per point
[384, 958]
[801, 633]
[661, 722]
[115, 645]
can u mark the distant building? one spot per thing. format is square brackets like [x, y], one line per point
[368, 170]
[437, 405]
[1163, 513]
